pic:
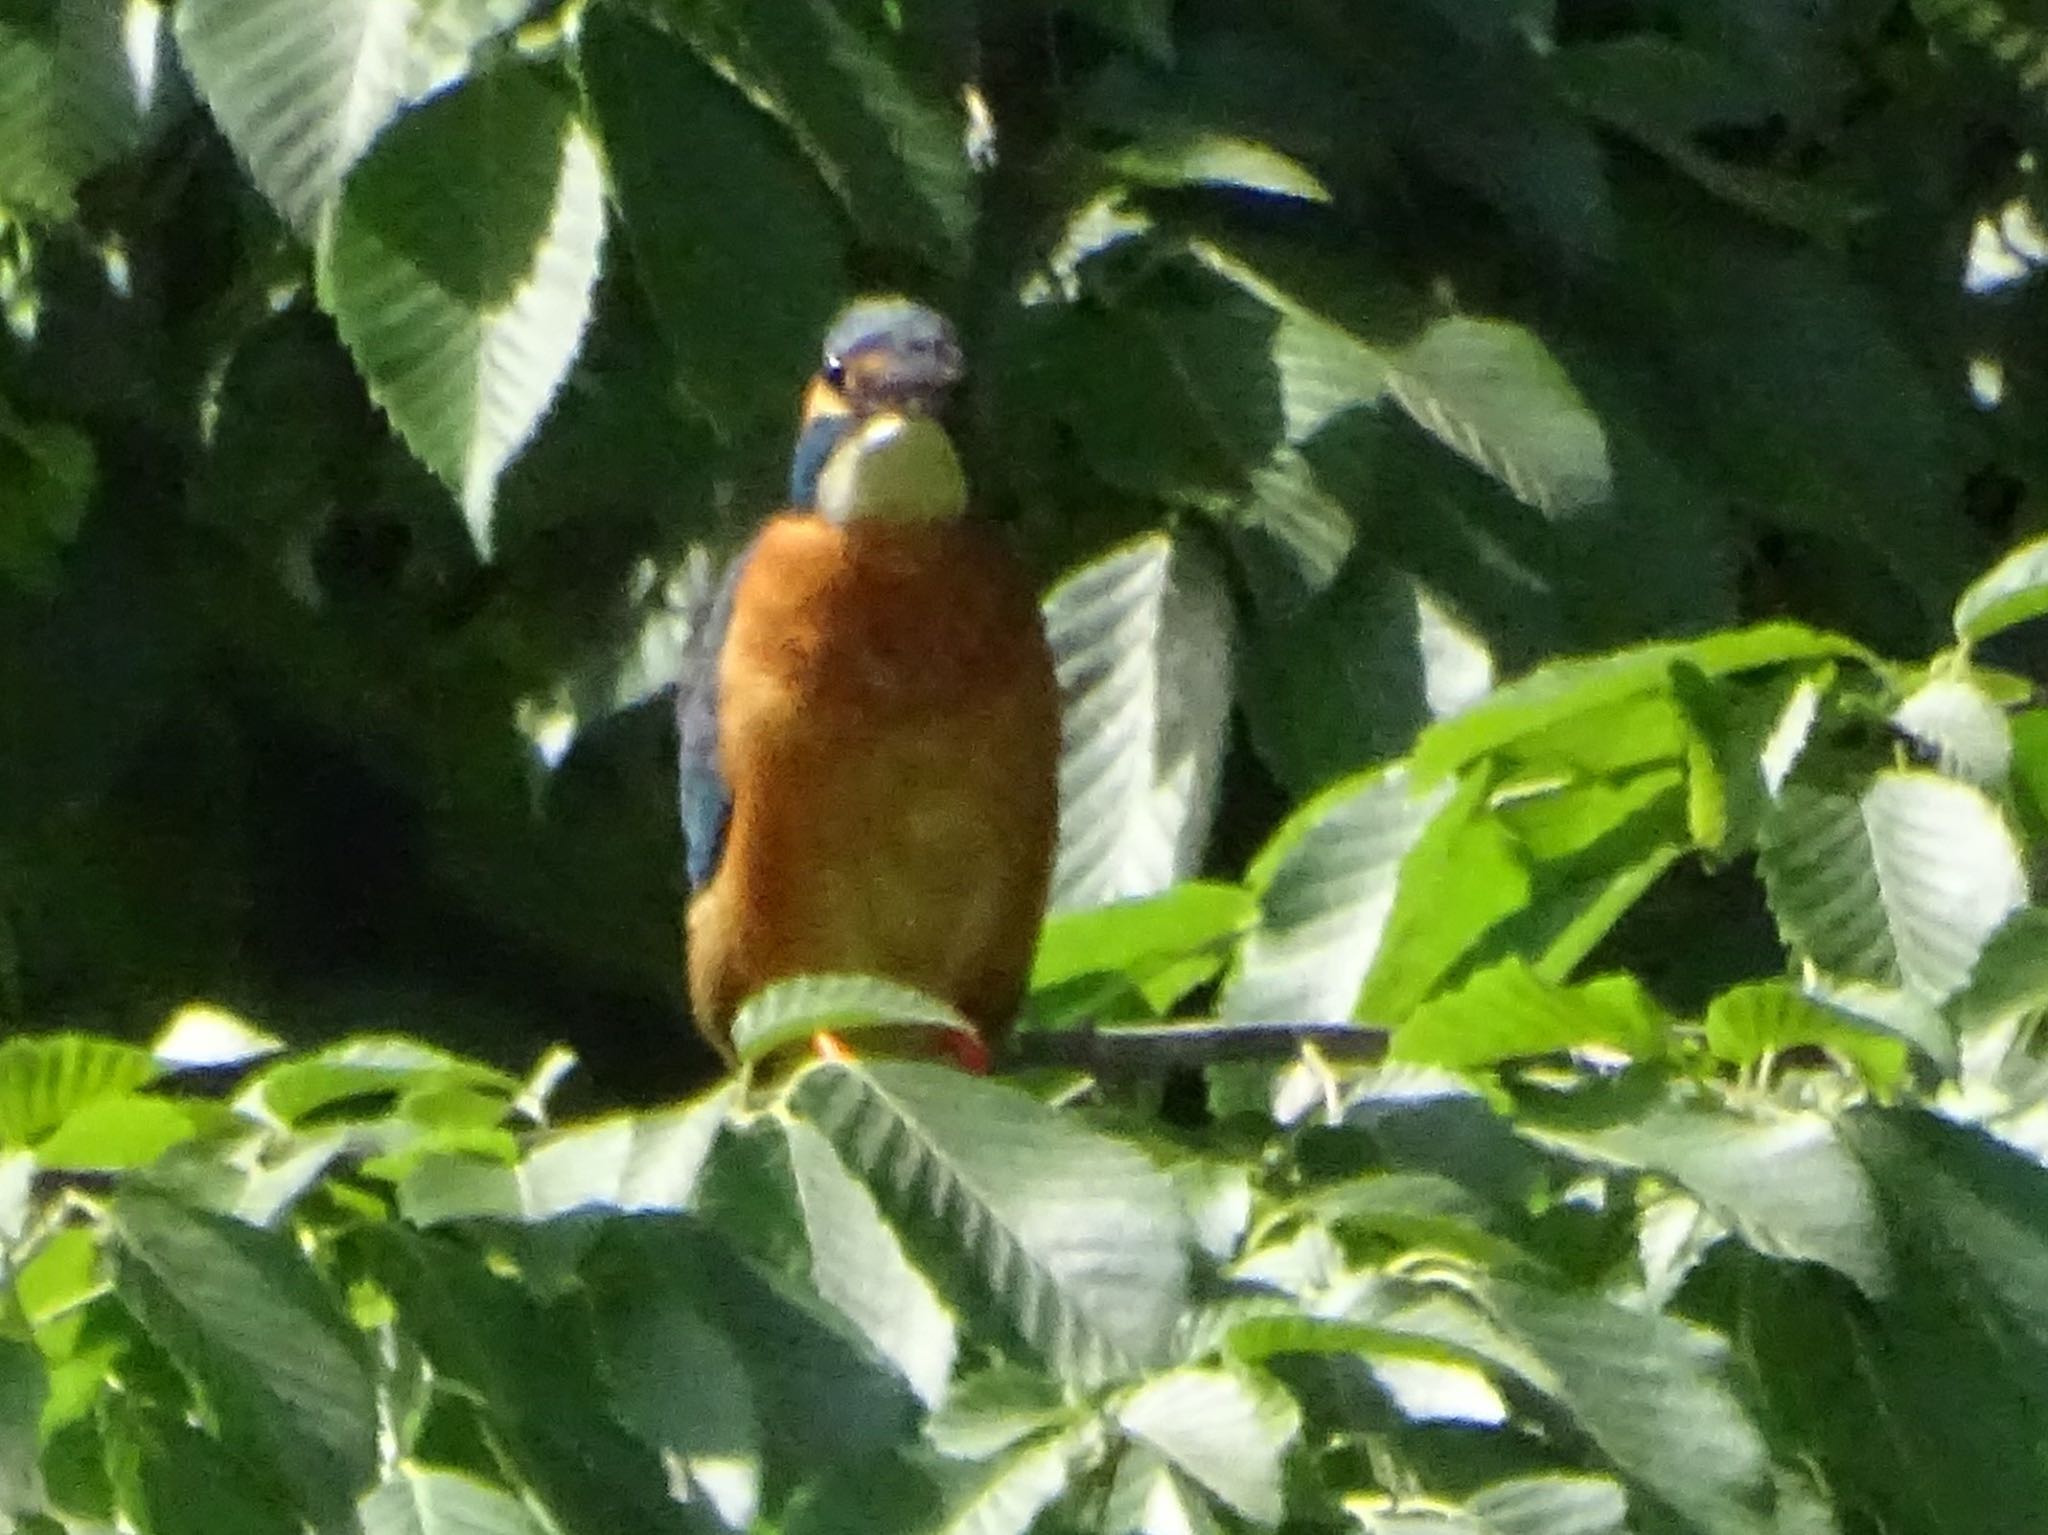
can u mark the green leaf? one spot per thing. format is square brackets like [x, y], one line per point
[24, 1388]
[1924, 1408]
[1147, 25]
[679, 1385]
[71, 101]
[1228, 1430]
[1562, 690]
[1348, 677]
[110, 1134]
[1465, 875]
[1196, 159]
[48, 475]
[1962, 728]
[895, 156]
[1158, 948]
[2010, 977]
[1491, 392]
[859, 1266]
[626, 1162]
[301, 93]
[716, 200]
[420, 1500]
[1509, 1011]
[371, 1067]
[171, 1479]
[993, 1409]
[1020, 1486]
[1750, 1024]
[2011, 592]
[459, 271]
[1142, 640]
[1077, 1242]
[1903, 882]
[789, 1012]
[1326, 885]
[1555, 1504]
[1149, 1497]
[1783, 1180]
[533, 1371]
[1651, 1394]
[240, 1311]
[45, 1079]
[820, 1398]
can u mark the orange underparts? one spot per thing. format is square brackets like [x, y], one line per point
[967, 1051]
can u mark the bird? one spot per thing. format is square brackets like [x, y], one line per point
[868, 716]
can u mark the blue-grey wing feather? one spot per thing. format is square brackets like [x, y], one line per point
[706, 797]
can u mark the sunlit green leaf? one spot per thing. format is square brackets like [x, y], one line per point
[1161, 946]
[44, 1079]
[1961, 728]
[1076, 1240]
[1782, 1180]
[1750, 1024]
[1226, 1429]
[1561, 690]
[1508, 1011]
[1652, 1393]
[789, 1012]
[131, 1130]
[464, 316]
[1142, 640]
[1492, 392]
[2011, 592]
[419, 1500]
[1326, 885]
[302, 94]
[1904, 881]
[858, 1265]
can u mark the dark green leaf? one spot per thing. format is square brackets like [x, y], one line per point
[241, 1311]
[715, 198]
[896, 156]
[69, 103]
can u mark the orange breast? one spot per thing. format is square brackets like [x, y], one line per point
[889, 729]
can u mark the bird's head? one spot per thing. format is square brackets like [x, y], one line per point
[889, 356]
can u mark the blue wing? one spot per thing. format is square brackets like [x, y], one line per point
[706, 797]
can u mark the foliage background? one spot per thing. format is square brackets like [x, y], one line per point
[377, 380]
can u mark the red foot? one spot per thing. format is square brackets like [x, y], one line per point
[969, 1053]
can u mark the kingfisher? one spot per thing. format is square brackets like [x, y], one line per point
[868, 716]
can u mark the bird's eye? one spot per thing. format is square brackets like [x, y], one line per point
[835, 373]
